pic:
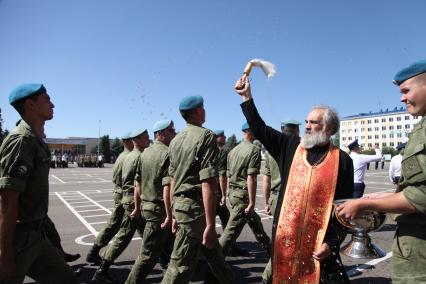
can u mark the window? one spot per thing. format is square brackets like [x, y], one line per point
[383, 119]
[391, 127]
[363, 137]
[355, 130]
[370, 145]
[376, 129]
[384, 144]
[369, 129]
[399, 135]
[391, 135]
[343, 131]
[376, 136]
[369, 136]
[369, 121]
[390, 119]
[376, 121]
[383, 127]
[407, 126]
[398, 118]
[362, 121]
[391, 144]
[399, 127]
[407, 117]
[383, 135]
[343, 138]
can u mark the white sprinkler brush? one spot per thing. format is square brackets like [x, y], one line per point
[267, 67]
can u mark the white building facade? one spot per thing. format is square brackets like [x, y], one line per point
[387, 128]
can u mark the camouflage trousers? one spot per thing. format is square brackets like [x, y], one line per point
[125, 234]
[186, 252]
[409, 254]
[222, 211]
[237, 221]
[267, 273]
[113, 224]
[36, 257]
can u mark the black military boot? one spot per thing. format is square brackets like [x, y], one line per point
[71, 257]
[102, 274]
[93, 255]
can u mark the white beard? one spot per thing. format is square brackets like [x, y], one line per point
[311, 140]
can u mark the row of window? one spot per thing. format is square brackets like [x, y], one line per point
[376, 120]
[391, 127]
[398, 135]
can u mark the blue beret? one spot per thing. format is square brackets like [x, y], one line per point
[400, 146]
[291, 122]
[353, 145]
[413, 70]
[26, 90]
[245, 126]
[191, 102]
[126, 135]
[161, 125]
[138, 132]
[219, 132]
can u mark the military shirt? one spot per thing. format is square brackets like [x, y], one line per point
[413, 180]
[116, 172]
[24, 167]
[192, 158]
[154, 167]
[129, 170]
[271, 169]
[222, 160]
[243, 160]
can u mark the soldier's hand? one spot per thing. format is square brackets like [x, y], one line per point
[136, 214]
[322, 253]
[222, 201]
[249, 209]
[242, 87]
[174, 226]
[209, 236]
[7, 266]
[166, 224]
[267, 209]
[350, 209]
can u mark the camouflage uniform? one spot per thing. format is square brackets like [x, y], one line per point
[192, 159]
[409, 253]
[24, 167]
[271, 170]
[222, 211]
[243, 160]
[154, 167]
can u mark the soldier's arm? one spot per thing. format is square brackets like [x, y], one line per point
[136, 213]
[208, 187]
[223, 182]
[266, 183]
[252, 172]
[8, 217]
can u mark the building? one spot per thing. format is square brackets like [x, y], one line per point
[75, 145]
[388, 128]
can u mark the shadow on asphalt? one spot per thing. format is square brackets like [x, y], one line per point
[372, 280]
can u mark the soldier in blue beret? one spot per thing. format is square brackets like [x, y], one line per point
[24, 192]
[243, 166]
[193, 174]
[132, 219]
[409, 200]
[291, 127]
[114, 222]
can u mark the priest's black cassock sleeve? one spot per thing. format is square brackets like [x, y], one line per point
[282, 148]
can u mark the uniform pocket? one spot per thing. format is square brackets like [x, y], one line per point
[411, 165]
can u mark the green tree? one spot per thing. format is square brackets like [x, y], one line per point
[3, 133]
[231, 142]
[368, 152]
[336, 139]
[105, 148]
[389, 150]
[116, 147]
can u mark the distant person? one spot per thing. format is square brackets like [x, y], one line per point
[409, 200]
[395, 165]
[360, 162]
[24, 191]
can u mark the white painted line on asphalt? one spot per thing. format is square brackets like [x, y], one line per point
[79, 202]
[79, 217]
[58, 179]
[100, 215]
[94, 202]
[81, 206]
[101, 222]
[368, 265]
[89, 210]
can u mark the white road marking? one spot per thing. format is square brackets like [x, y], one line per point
[58, 179]
[368, 265]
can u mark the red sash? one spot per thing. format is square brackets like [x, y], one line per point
[304, 217]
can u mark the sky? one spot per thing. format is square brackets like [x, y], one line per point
[116, 66]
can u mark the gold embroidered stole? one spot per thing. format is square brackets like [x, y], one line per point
[304, 217]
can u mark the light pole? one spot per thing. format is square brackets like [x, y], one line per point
[99, 137]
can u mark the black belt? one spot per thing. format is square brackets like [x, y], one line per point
[194, 194]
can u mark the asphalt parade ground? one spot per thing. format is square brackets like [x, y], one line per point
[81, 202]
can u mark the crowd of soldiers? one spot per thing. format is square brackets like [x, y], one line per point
[90, 161]
[172, 187]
